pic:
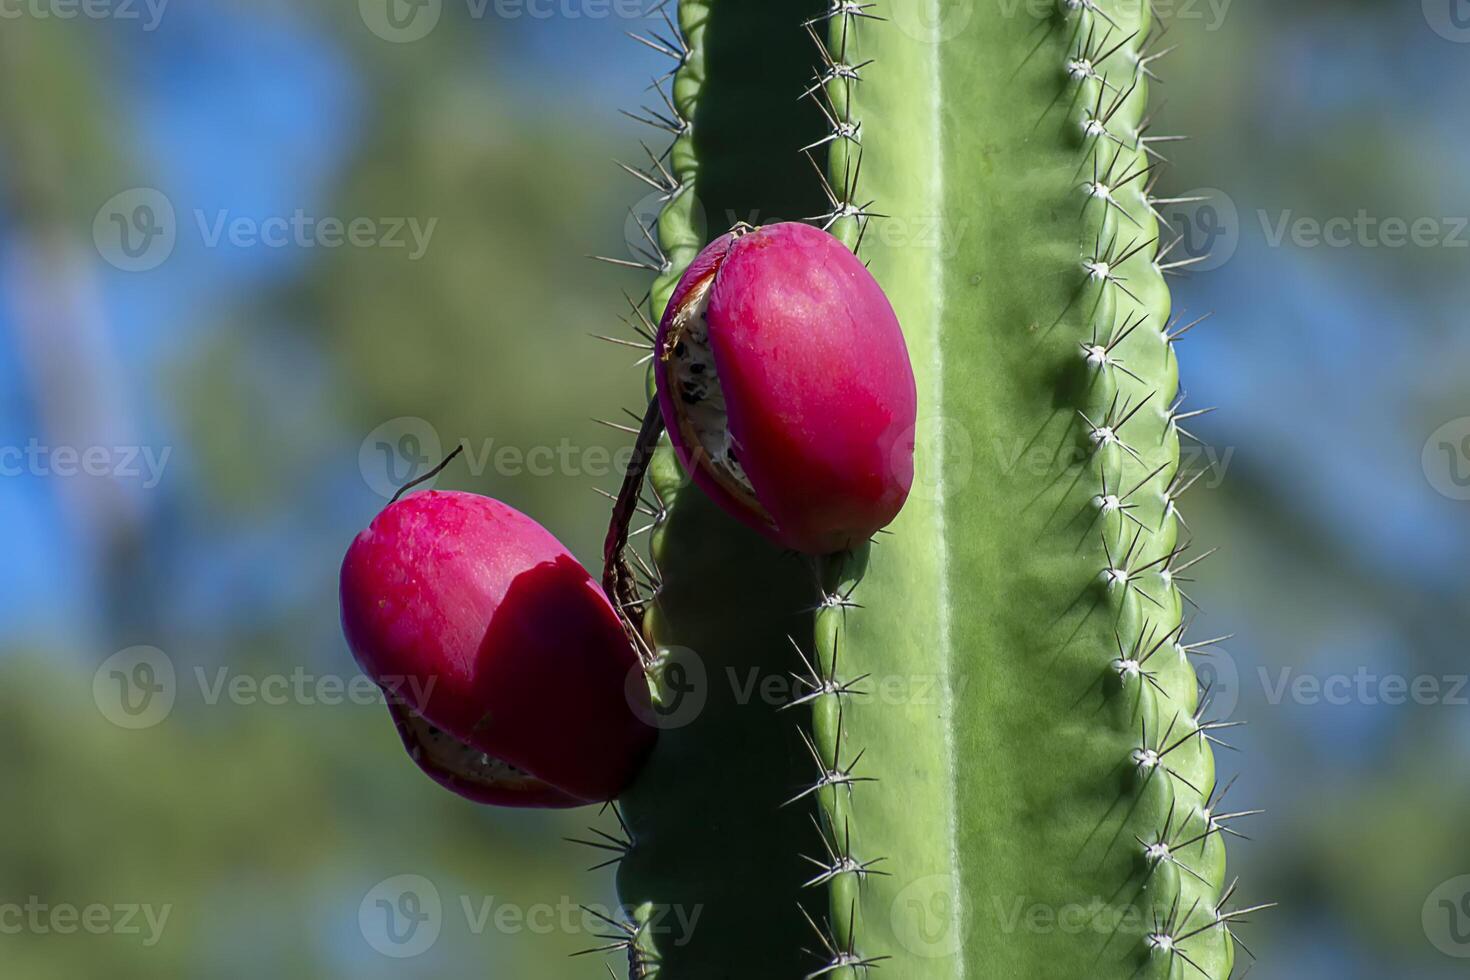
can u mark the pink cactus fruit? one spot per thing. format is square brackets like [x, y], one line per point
[786, 387]
[508, 673]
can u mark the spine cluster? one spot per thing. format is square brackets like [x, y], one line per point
[841, 784]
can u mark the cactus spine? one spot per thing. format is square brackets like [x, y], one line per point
[999, 763]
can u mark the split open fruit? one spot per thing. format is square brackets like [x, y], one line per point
[508, 673]
[786, 387]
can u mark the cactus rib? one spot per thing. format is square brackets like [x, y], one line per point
[710, 836]
[1065, 762]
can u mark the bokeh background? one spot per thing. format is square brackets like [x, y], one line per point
[194, 421]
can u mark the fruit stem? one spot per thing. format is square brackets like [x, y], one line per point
[618, 579]
[427, 476]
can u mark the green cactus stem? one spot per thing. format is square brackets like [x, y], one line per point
[709, 833]
[1000, 762]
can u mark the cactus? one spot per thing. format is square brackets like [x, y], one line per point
[994, 760]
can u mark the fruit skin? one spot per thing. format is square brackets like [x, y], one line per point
[475, 619]
[819, 392]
